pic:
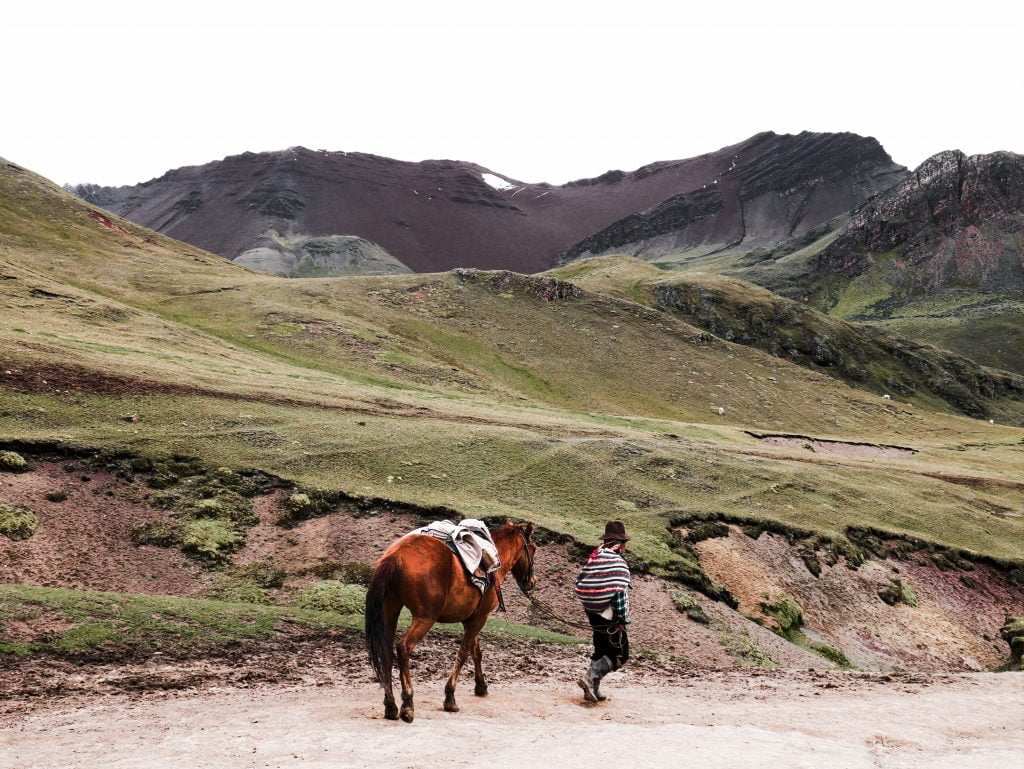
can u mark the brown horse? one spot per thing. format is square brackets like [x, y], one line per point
[423, 574]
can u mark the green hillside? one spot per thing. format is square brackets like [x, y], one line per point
[487, 392]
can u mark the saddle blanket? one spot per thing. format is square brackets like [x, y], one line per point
[471, 541]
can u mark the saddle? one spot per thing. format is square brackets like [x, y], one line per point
[470, 541]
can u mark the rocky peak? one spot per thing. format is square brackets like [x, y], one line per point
[967, 208]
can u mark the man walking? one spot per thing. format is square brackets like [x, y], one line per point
[603, 589]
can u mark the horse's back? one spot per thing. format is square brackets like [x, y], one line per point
[432, 581]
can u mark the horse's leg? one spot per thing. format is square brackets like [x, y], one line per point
[417, 629]
[470, 641]
[391, 611]
[453, 679]
[481, 683]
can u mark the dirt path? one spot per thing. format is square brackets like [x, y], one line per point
[725, 719]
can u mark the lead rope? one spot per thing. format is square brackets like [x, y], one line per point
[552, 614]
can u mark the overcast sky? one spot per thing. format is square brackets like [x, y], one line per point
[118, 92]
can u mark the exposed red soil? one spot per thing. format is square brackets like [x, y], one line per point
[85, 541]
[96, 216]
[946, 631]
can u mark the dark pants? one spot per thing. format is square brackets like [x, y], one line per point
[613, 644]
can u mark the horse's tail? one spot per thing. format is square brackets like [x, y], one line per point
[380, 635]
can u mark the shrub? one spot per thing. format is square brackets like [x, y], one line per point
[788, 616]
[687, 604]
[12, 462]
[333, 595]
[898, 592]
[1013, 633]
[210, 540]
[17, 522]
[57, 496]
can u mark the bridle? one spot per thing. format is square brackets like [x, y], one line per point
[522, 583]
[529, 563]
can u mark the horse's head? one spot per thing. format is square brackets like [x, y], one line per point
[522, 567]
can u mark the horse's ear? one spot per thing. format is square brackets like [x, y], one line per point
[528, 530]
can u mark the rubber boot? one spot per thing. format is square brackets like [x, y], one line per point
[603, 666]
[592, 678]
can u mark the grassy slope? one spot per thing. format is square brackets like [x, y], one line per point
[473, 391]
[735, 309]
[85, 620]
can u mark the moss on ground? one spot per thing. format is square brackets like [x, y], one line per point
[17, 522]
[898, 592]
[788, 621]
[1012, 632]
[211, 540]
[12, 462]
[122, 621]
[787, 615]
[687, 604]
[350, 572]
[334, 596]
[116, 624]
[250, 583]
[742, 648]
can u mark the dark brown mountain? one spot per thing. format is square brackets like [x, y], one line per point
[440, 214]
[775, 188]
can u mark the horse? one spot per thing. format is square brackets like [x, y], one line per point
[422, 573]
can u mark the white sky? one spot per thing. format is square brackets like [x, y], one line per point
[116, 92]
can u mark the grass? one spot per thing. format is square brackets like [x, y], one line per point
[859, 297]
[332, 595]
[17, 522]
[93, 620]
[87, 621]
[558, 410]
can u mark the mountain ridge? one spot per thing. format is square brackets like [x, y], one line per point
[441, 214]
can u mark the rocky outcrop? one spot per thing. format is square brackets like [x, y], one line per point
[297, 256]
[955, 223]
[440, 214]
[775, 188]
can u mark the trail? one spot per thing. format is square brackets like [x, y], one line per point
[715, 719]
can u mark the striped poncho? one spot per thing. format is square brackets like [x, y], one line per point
[603, 582]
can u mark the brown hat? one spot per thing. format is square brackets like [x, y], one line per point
[615, 531]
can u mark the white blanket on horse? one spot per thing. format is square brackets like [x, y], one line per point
[471, 539]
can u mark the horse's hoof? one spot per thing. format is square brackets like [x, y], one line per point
[407, 715]
[391, 714]
[451, 707]
[588, 693]
[480, 690]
